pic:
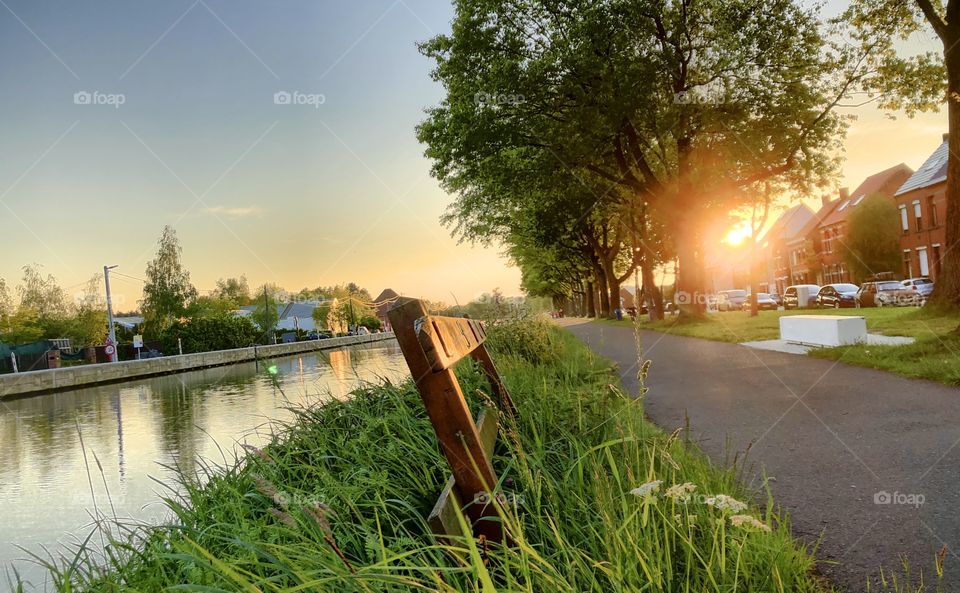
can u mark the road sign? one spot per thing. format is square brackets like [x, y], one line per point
[138, 341]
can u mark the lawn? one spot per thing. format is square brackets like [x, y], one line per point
[601, 500]
[935, 355]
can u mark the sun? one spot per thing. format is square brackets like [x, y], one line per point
[738, 234]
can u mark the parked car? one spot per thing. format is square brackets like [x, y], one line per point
[765, 302]
[922, 287]
[731, 300]
[838, 295]
[885, 293]
[800, 296]
[777, 298]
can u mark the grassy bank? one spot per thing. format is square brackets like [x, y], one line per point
[935, 355]
[600, 500]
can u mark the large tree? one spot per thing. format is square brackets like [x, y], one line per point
[236, 290]
[918, 82]
[168, 290]
[872, 242]
[677, 107]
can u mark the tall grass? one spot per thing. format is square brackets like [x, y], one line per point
[594, 498]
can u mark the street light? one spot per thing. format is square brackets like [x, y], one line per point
[113, 331]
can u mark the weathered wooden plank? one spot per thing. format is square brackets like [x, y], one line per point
[443, 517]
[496, 383]
[450, 416]
[445, 340]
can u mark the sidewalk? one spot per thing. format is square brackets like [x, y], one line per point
[867, 459]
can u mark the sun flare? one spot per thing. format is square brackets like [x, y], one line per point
[738, 234]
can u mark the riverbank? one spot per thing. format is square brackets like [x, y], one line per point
[47, 381]
[600, 500]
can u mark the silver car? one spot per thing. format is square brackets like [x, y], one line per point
[921, 287]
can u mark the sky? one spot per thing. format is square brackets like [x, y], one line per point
[277, 138]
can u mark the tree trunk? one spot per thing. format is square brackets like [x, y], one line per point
[650, 292]
[600, 283]
[947, 292]
[689, 298]
[591, 300]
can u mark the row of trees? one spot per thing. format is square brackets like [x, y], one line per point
[42, 309]
[172, 307]
[593, 138]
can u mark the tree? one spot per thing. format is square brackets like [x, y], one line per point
[168, 290]
[6, 305]
[919, 82]
[872, 242]
[43, 302]
[266, 315]
[89, 325]
[675, 107]
[236, 290]
[210, 306]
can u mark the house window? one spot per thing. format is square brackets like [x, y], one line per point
[932, 208]
[936, 261]
[904, 222]
[907, 263]
[924, 263]
[827, 241]
[918, 214]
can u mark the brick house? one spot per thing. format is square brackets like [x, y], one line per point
[827, 238]
[922, 202]
[776, 244]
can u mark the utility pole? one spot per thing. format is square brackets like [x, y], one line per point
[113, 331]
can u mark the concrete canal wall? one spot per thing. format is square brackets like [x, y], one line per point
[37, 382]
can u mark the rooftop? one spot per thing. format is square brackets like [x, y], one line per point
[933, 170]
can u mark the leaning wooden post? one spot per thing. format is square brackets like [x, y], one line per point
[448, 411]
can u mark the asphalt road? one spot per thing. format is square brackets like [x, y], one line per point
[850, 451]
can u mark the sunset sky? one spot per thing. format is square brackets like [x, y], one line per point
[330, 191]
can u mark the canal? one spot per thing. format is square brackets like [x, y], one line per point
[67, 458]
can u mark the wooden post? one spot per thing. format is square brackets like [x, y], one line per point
[456, 431]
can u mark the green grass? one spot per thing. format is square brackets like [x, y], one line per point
[738, 326]
[935, 355]
[338, 501]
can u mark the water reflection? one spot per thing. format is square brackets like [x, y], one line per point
[131, 432]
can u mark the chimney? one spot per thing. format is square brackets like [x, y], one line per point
[946, 136]
[844, 193]
[824, 200]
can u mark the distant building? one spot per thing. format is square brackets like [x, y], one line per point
[778, 245]
[922, 203]
[291, 316]
[383, 303]
[828, 236]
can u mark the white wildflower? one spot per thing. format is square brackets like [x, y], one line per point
[648, 488]
[680, 492]
[748, 521]
[725, 503]
[691, 520]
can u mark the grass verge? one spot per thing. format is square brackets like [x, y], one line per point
[935, 355]
[598, 499]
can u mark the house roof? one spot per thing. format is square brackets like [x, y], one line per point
[388, 294]
[789, 224]
[871, 185]
[933, 170]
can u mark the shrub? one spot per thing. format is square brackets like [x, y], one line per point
[205, 334]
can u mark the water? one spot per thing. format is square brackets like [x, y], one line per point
[132, 430]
